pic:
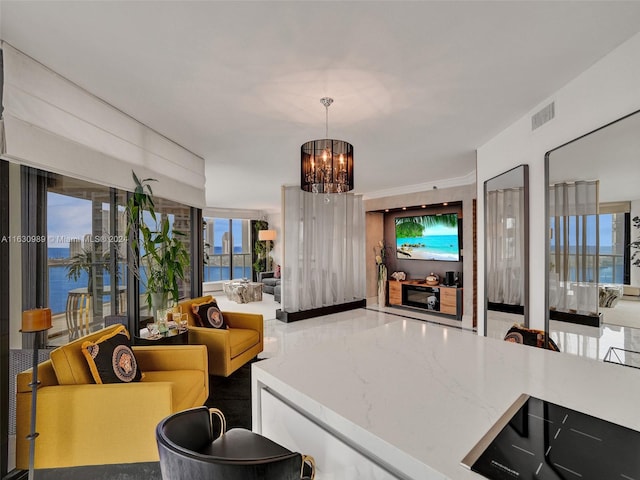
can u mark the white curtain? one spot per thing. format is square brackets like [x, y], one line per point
[574, 246]
[324, 257]
[505, 246]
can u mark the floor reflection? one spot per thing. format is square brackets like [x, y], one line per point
[590, 342]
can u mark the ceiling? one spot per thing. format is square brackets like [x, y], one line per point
[418, 86]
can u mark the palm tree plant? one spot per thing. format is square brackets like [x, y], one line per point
[84, 262]
[164, 258]
[635, 257]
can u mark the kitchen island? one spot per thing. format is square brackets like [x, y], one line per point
[409, 399]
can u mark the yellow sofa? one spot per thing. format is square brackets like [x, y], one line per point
[83, 423]
[231, 348]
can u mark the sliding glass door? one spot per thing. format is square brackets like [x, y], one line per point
[86, 256]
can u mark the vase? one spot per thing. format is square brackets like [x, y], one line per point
[382, 285]
[159, 305]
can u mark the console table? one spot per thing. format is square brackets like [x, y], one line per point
[439, 299]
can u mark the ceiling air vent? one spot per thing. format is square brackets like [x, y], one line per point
[543, 116]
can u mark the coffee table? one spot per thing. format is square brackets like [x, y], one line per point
[243, 292]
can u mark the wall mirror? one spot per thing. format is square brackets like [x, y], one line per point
[593, 194]
[506, 217]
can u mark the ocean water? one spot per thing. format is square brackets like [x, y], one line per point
[58, 252]
[60, 285]
[212, 274]
[433, 247]
[218, 249]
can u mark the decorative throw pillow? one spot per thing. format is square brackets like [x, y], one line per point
[111, 359]
[276, 274]
[208, 315]
[528, 336]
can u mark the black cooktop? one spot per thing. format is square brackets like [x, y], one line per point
[536, 439]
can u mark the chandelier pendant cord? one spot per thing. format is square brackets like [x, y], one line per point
[326, 101]
[326, 121]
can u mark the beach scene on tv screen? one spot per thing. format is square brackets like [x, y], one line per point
[428, 237]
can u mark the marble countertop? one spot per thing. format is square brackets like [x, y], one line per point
[418, 397]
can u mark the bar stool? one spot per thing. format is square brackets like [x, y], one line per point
[188, 450]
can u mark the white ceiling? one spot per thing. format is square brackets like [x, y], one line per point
[418, 86]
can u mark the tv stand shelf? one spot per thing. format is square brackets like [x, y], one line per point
[437, 299]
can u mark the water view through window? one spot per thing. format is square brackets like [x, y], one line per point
[227, 247]
[611, 249]
[83, 236]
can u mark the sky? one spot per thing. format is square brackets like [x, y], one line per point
[221, 225]
[67, 218]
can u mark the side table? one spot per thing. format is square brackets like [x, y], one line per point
[177, 338]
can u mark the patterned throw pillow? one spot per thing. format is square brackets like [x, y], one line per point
[111, 359]
[208, 315]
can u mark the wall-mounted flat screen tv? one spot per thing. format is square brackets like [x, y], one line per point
[428, 237]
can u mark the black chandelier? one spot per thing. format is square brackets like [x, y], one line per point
[326, 165]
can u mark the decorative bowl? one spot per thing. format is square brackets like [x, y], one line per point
[432, 279]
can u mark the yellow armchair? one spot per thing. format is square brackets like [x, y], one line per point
[231, 348]
[83, 423]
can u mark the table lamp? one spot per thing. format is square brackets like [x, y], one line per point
[34, 321]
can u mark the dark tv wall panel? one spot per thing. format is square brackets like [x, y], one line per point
[420, 268]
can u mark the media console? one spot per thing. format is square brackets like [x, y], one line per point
[439, 299]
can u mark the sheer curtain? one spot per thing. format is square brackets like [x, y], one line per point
[574, 247]
[324, 257]
[505, 246]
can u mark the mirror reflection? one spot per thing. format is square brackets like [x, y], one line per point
[593, 287]
[506, 198]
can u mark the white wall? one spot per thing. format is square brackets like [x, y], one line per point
[605, 92]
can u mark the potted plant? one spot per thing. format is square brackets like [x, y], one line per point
[260, 248]
[164, 258]
[635, 257]
[380, 253]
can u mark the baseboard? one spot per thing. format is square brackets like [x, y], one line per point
[503, 307]
[289, 317]
[588, 320]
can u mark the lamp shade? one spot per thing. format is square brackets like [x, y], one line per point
[267, 235]
[326, 166]
[36, 320]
